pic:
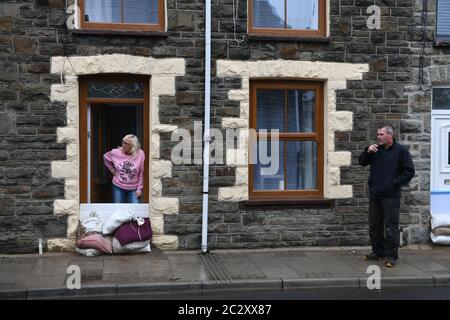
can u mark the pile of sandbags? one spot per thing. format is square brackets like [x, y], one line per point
[129, 233]
[440, 228]
[90, 240]
[121, 233]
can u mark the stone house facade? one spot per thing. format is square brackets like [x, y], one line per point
[52, 58]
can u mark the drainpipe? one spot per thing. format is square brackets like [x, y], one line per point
[206, 135]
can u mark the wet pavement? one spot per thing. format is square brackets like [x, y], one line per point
[48, 275]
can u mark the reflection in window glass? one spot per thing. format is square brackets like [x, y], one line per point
[441, 99]
[121, 11]
[102, 11]
[301, 165]
[301, 109]
[137, 12]
[270, 109]
[270, 175]
[443, 19]
[268, 13]
[286, 14]
[115, 90]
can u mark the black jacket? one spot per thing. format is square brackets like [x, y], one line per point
[389, 170]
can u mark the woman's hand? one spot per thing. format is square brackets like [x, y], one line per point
[138, 194]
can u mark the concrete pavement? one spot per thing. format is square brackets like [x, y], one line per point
[46, 276]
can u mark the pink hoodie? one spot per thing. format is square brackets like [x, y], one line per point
[129, 172]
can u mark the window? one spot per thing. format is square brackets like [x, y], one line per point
[295, 109]
[139, 15]
[287, 17]
[441, 98]
[443, 20]
[111, 106]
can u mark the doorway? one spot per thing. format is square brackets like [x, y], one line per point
[440, 150]
[109, 124]
[111, 107]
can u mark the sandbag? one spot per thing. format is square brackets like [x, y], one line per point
[441, 231]
[440, 220]
[440, 239]
[131, 247]
[88, 252]
[118, 217]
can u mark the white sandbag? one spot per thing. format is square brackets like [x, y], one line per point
[117, 218]
[147, 248]
[130, 247]
[92, 223]
[441, 231]
[440, 220]
[88, 252]
[440, 239]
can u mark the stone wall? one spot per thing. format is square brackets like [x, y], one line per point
[387, 93]
[162, 74]
[28, 123]
[34, 31]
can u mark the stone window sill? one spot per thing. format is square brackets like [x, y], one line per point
[288, 38]
[120, 33]
[311, 203]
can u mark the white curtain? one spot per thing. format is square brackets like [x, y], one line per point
[303, 15]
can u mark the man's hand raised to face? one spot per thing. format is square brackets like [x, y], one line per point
[373, 148]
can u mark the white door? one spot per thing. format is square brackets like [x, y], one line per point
[440, 165]
[440, 151]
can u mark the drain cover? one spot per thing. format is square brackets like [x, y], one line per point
[214, 269]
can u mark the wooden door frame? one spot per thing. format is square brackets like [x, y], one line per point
[98, 107]
[83, 130]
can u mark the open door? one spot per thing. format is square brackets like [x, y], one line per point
[110, 107]
[100, 177]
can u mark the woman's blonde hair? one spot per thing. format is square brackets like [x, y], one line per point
[135, 144]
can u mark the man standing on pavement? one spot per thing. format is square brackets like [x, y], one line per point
[391, 167]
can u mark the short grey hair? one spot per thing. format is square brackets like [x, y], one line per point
[389, 129]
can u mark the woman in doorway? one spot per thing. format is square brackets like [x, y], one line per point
[126, 163]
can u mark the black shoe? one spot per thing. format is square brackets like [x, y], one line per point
[391, 262]
[372, 257]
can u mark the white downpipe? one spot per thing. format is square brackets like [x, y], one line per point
[206, 136]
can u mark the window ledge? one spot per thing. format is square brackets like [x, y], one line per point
[299, 203]
[289, 38]
[120, 33]
[442, 43]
